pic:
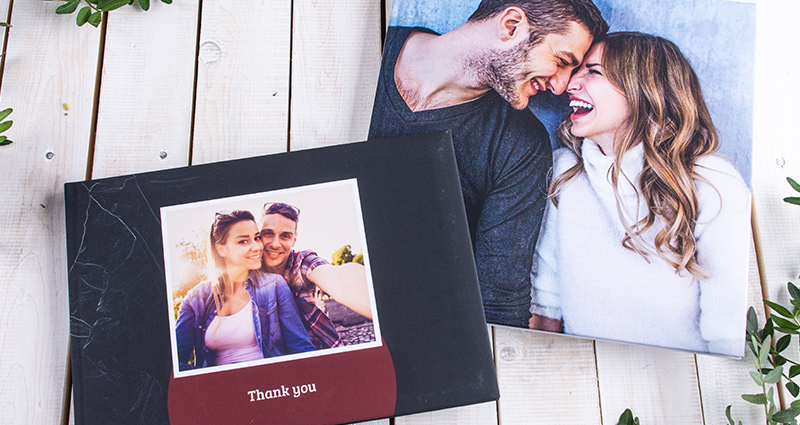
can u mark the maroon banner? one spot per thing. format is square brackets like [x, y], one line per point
[329, 389]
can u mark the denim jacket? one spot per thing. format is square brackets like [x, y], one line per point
[279, 329]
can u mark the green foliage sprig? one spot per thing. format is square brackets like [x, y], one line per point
[627, 418]
[92, 12]
[769, 361]
[796, 186]
[5, 125]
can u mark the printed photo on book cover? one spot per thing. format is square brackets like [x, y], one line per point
[604, 157]
[268, 277]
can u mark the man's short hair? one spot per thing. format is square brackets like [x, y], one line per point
[549, 16]
[289, 211]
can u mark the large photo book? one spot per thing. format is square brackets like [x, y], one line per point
[603, 150]
[323, 286]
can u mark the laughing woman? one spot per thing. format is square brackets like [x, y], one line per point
[243, 315]
[646, 237]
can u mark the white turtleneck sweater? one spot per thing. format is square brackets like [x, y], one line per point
[583, 275]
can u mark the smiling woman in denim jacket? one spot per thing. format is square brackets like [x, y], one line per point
[243, 315]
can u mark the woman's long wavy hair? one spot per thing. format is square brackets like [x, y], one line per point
[669, 117]
[223, 221]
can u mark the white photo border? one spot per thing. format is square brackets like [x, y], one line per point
[171, 214]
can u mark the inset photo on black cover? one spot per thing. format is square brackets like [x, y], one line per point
[268, 277]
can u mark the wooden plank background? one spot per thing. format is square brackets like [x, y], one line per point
[195, 82]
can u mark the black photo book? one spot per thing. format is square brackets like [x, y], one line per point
[323, 286]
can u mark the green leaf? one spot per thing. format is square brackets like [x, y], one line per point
[68, 7]
[783, 343]
[757, 377]
[755, 398]
[794, 371]
[792, 200]
[795, 405]
[779, 360]
[109, 5]
[5, 125]
[5, 142]
[794, 184]
[793, 388]
[145, 4]
[787, 331]
[166, 1]
[783, 311]
[752, 321]
[5, 113]
[769, 328]
[83, 15]
[728, 415]
[627, 418]
[95, 18]
[783, 323]
[794, 291]
[5, 25]
[774, 376]
[763, 355]
[785, 416]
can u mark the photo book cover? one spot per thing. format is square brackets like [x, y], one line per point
[290, 286]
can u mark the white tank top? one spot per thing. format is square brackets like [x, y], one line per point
[233, 337]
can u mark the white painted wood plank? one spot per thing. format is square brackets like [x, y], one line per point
[483, 413]
[660, 386]
[776, 154]
[723, 381]
[545, 378]
[147, 89]
[49, 62]
[335, 62]
[4, 18]
[242, 106]
[777, 151]
[477, 414]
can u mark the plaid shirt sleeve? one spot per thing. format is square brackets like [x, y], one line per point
[320, 328]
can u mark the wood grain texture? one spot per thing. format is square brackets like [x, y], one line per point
[242, 105]
[483, 413]
[50, 62]
[777, 151]
[660, 386]
[147, 89]
[545, 378]
[335, 60]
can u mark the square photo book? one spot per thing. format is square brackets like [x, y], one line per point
[603, 150]
[323, 286]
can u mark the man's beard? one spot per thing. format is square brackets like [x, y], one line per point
[503, 71]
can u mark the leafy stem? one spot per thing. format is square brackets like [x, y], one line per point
[92, 12]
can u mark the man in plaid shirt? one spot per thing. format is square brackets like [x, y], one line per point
[304, 271]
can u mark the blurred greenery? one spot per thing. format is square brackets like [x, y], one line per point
[345, 255]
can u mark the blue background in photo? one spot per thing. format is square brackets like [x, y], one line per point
[717, 36]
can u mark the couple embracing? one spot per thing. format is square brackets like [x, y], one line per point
[644, 228]
[262, 305]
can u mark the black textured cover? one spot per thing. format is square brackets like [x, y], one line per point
[422, 265]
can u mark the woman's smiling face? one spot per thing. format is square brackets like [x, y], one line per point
[599, 110]
[243, 247]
